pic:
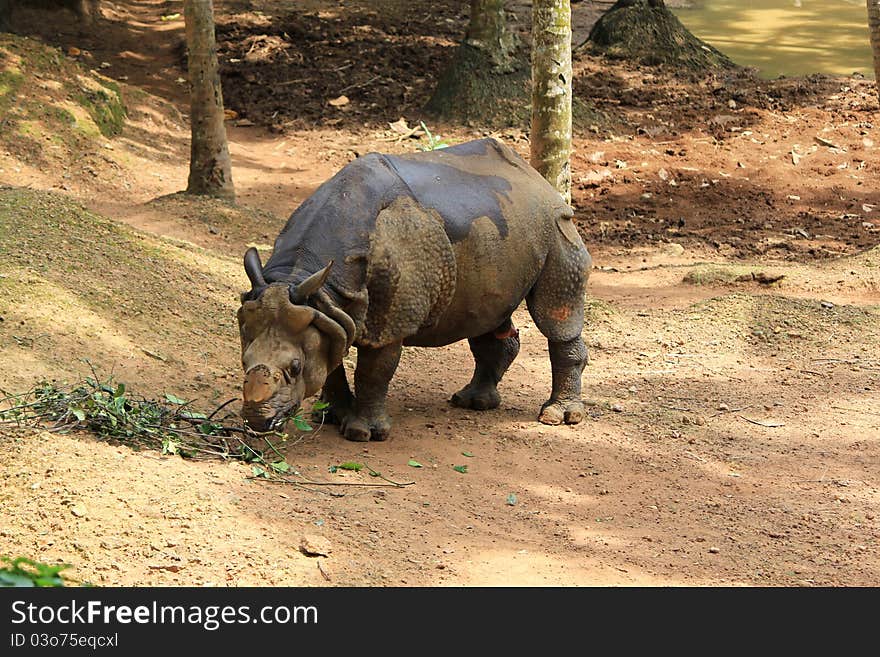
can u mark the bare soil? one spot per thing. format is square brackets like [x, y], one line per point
[734, 428]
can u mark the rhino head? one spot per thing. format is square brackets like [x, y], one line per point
[287, 347]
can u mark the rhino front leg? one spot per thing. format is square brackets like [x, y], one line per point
[337, 395]
[373, 373]
[493, 354]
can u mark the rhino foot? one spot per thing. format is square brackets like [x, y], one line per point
[362, 430]
[477, 398]
[557, 412]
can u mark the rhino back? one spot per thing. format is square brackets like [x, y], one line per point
[497, 212]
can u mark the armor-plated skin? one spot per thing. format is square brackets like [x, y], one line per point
[423, 249]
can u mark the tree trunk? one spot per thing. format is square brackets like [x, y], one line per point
[210, 170]
[488, 31]
[487, 81]
[551, 93]
[874, 29]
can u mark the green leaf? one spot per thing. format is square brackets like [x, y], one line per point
[351, 465]
[320, 405]
[332, 469]
[468, 454]
[414, 464]
[210, 428]
[78, 412]
[301, 424]
[511, 499]
[175, 400]
[191, 415]
[280, 466]
[460, 468]
[120, 390]
[258, 471]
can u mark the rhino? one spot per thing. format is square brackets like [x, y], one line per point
[422, 249]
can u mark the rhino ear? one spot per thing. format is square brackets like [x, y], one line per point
[254, 269]
[308, 287]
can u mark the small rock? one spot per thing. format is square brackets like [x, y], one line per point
[723, 407]
[714, 550]
[617, 408]
[827, 304]
[78, 510]
[312, 545]
[731, 103]
[673, 249]
[341, 101]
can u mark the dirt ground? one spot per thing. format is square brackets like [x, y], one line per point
[733, 435]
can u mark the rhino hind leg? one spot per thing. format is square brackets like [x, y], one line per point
[369, 420]
[556, 303]
[493, 353]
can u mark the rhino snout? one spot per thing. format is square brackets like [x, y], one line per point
[268, 398]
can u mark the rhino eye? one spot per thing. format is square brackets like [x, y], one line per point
[292, 371]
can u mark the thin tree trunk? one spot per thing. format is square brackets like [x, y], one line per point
[874, 29]
[551, 93]
[210, 170]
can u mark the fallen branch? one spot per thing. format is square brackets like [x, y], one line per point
[770, 424]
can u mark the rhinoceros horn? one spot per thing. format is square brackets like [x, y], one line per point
[254, 269]
[308, 287]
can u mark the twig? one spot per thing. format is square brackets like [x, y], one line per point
[324, 573]
[361, 484]
[762, 424]
[222, 406]
[359, 84]
[381, 476]
[855, 410]
[297, 484]
[732, 410]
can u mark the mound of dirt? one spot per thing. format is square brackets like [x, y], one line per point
[75, 285]
[646, 31]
